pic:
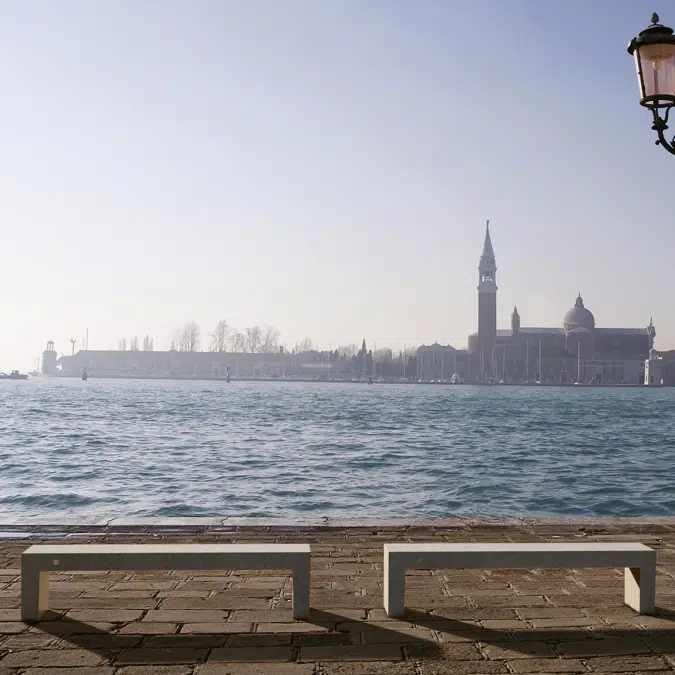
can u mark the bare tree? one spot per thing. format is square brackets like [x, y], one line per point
[269, 341]
[253, 337]
[122, 346]
[133, 343]
[304, 345]
[189, 337]
[220, 336]
[238, 341]
[148, 344]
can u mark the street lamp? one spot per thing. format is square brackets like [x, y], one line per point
[654, 52]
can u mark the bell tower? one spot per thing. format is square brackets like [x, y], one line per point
[487, 306]
[515, 322]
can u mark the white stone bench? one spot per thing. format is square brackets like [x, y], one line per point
[638, 559]
[39, 560]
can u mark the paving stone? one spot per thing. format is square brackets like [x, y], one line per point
[152, 670]
[573, 634]
[570, 621]
[325, 639]
[27, 641]
[148, 656]
[240, 591]
[143, 586]
[369, 668]
[219, 602]
[65, 627]
[98, 670]
[549, 612]
[182, 641]
[478, 635]
[511, 601]
[259, 615]
[292, 628]
[10, 615]
[604, 647]
[627, 664]
[31, 658]
[11, 627]
[216, 627]
[214, 668]
[329, 615]
[444, 651]
[552, 665]
[186, 616]
[517, 650]
[104, 642]
[117, 594]
[504, 624]
[149, 628]
[351, 653]
[662, 642]
[262, 639]
[107, 615]
[252, 654]
[463, 667]
[108, 603]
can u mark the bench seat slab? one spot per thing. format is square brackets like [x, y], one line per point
[39, 560]
[638, 560]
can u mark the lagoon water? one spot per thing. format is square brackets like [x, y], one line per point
[108, 448]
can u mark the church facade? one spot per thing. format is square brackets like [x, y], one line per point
[577, 351]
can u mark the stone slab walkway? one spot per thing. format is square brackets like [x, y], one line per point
[459, 622]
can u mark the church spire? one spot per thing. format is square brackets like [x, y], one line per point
[515, 321]
[488, 252]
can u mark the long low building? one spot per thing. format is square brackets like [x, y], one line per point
[178, 364]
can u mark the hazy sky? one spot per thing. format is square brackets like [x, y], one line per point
[325, 166]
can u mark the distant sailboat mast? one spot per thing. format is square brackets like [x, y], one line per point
[527, 361]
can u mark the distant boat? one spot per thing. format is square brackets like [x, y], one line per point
[84, 375]
[14, 375]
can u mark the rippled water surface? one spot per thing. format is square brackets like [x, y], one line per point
[142, 448]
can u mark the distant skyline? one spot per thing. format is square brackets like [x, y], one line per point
[326, 168]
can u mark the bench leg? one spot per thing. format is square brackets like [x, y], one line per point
[301, 590]
[394, 588]
[34, 593]
[640, 589]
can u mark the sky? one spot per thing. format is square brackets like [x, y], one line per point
[326, 168]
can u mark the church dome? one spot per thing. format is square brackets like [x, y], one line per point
[579, 317]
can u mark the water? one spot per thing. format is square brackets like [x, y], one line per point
[107, 448]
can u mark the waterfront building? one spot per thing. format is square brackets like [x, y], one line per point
[660, 368]
[196, 365]
[577, 351]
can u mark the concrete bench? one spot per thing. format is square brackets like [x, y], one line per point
[638, 559]
[38, 561]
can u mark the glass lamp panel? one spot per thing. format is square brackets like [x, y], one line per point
[656, 62]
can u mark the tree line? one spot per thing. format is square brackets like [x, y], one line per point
[224, 338]
[257, 340]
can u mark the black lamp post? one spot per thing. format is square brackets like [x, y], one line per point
[654, 52]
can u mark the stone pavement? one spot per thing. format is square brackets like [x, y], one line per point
[459, 621]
